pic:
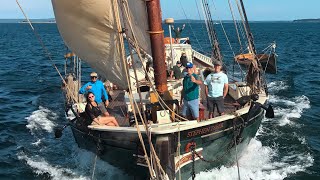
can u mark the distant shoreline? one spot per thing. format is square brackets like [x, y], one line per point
[307, 20]
[52, 20]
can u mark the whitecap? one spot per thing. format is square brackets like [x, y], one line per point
[276, 86]
[41, 166]
[37, 143]
[39, 120]
[289, 109]
[257, 163]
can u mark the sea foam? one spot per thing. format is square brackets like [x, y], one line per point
[289, 109]
[42, 167]
[257, 162]
[41, 120]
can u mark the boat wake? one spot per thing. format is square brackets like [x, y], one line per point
[43, 168]
[46, 156]
[288, 110]
[258, 162]
[41, 120]
[275, 158]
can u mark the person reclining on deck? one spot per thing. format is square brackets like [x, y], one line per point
[95, 114]
[216, 89]
[190, 93]
[97, 88]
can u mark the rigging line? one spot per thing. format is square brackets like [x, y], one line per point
[161, 101]
[206, 22]
[241, 27]
[188, 22]
[236, 149]
[246, 30]
[202, 28]
[128, 80]
[46, 51]
[235, 24]
[226, 35]
[146, 128]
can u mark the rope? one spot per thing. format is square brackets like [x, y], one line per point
[236, 149]
[95, 159]
[188, 22]
[226, 35]
[128, 80]
[46, 51]
[235, 24]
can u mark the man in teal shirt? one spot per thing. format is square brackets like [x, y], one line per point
[190, 93]
[97, 88]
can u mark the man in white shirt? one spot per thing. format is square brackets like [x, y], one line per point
[216, 89]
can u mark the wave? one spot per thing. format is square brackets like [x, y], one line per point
[41, 120]
[277, 86]
[287, 110]
[258, 163]
[42, 167]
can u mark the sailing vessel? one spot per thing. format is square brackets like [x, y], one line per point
[153, 141]
[267, 58]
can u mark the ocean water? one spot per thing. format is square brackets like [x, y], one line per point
[31, 106]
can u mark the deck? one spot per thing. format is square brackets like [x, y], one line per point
[117, 106]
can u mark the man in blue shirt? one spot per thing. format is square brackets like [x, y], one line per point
[216, 89]
[97, 88]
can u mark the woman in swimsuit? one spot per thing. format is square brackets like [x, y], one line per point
[94, 112]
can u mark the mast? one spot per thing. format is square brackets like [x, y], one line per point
[254, 78]
[216, 53]
[157, 45]
[249, 34]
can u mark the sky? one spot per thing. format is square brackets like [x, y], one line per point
[257, 10]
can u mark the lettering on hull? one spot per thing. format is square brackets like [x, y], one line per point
[205, 130]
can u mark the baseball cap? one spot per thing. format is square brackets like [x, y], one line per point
[93, 74]
[189, 65]
[218, 63]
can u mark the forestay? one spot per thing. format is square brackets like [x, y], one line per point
[89, 29]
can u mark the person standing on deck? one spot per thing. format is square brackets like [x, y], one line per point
[177, 32]
[97, 88]
[190, 93]
[184, 59]
[216, 89]
[176, 71]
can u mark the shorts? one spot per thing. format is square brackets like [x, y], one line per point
[191, 108]
[102, 107]
[213, 102]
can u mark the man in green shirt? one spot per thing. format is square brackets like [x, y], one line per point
[176, 71]
[190, 93]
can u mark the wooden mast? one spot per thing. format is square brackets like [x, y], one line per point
[157, 45]
[249, 34]
[254, 72]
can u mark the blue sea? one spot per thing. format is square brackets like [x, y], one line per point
[32, 105]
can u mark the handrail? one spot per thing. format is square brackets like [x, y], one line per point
[203, 58]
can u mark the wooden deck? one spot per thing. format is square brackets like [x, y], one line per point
[117, 106]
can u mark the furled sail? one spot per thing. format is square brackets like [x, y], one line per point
[89, 29]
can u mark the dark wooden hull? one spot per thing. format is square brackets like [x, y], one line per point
[268, 62]
[214, 142]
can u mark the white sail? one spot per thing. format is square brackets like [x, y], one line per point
[89, 29]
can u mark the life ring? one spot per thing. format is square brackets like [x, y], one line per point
[188, 146]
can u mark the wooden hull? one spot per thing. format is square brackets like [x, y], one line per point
[214, 142]
[269, 63]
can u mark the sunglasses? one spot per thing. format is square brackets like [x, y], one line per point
[91, 97]
[92, 77]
